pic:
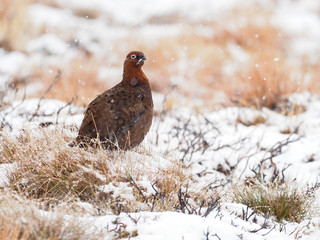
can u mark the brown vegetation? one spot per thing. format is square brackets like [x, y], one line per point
[50, 171]
[79, 80]
[197, 60]
[13, 24]
[25, 222]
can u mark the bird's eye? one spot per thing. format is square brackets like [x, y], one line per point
[133, 56]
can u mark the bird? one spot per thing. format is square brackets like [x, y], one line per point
[121, 116]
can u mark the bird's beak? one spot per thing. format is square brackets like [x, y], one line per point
[141, 60]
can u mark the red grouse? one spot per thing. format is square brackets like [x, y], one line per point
[121, 116]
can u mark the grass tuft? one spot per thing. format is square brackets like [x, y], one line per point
[282, 201]
[265, 84]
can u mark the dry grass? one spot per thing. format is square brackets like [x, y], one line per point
[262, 77]
[13, 24]
[26, 222]
[47, 170]
[264, 85]
[79, 80]
[269, 83]
[310, 75]
[198, 59]
[187, 60]
[266, 79]
[258, 119]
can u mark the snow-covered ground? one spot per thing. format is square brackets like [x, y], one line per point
[232, 139]
[249, 144]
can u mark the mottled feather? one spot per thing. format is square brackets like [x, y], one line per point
[122, 115]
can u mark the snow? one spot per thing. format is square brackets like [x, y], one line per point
[132, 13]
[302, 21]
[4, 168]
[12, 62]
[48, 43]
[226, 222]
[114, 20]
[220, 224]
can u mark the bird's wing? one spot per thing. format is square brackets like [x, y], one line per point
[94, 111]
[125, 109]
[113, 113]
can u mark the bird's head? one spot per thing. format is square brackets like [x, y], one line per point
[135, 58]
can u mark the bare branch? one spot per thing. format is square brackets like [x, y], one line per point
[56, 79]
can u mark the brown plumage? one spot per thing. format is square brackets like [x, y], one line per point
[122, 115]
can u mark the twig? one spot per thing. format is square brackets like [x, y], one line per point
[274, 151]
[4, 122]
[269, 231]
[63, 107]
[56, 79]
[139, 190]
[135, 220]
[211, 206]
[245, 214]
